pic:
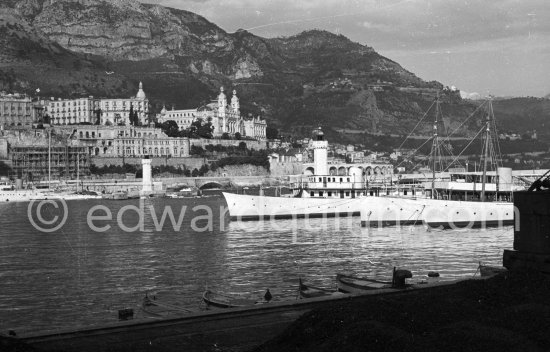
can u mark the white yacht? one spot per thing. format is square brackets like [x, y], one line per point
[319, 195]
[11, 193]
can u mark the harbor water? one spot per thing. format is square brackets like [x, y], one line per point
[108, 254]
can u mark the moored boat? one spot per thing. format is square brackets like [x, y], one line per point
[16, 193]
[308, 291]
[465, 200]
[353, 284]
[161, 308]
[393, 211]
[119, 195]
[321, 194]
[219, 300]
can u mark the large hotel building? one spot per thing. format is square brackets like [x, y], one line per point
[109, 111]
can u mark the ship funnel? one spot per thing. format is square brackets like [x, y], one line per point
[356, 174]
[504, 179]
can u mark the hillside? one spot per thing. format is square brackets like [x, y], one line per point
[535, 112]
[104, 48]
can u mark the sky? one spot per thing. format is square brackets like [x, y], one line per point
[497, 47]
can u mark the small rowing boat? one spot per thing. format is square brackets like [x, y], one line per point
[219, 300]
[161, 308]
[308, 291]
[352, 284]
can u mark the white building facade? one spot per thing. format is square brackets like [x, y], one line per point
[109, 111]
[183, 118]
[127, 141]
[225, 118]
[72, 111]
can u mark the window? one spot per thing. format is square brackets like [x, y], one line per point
[329, 193]
[321, 193]
[312, 194]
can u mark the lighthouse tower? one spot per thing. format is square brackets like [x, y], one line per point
[320, 152]
[147, 185]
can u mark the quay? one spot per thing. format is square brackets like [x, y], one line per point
[240, 329]
[235, 329]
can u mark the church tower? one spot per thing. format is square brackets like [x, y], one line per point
[222, 105]
[235, 106]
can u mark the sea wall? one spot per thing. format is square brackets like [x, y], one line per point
[184, 163]
[239, 170]
[283, 169]
[250, 144]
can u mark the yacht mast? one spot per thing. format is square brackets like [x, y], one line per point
[435, 146]
[77, 168]
[49, 157]
[486, 151]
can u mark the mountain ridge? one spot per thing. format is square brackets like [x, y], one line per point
[297, 82]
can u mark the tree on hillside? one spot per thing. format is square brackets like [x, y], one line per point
[238, 136]
[271, 133]
[203, 170]
[131, 115]
[196, 150]
[98, 113]
[203, 129]
[170, 128]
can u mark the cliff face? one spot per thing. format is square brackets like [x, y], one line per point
[128, 30]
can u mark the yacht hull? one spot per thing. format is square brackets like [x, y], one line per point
[249, 207]
[389, 211]
[374, 211]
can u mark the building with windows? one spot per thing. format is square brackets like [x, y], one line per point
[18, 110]
[126, 141]
[107, 111]
[72, 111]
[225, 118]
[184, 118]
[117, 111]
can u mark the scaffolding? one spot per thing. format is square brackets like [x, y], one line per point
[32, 163]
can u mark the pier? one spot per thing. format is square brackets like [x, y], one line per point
[240, 329]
